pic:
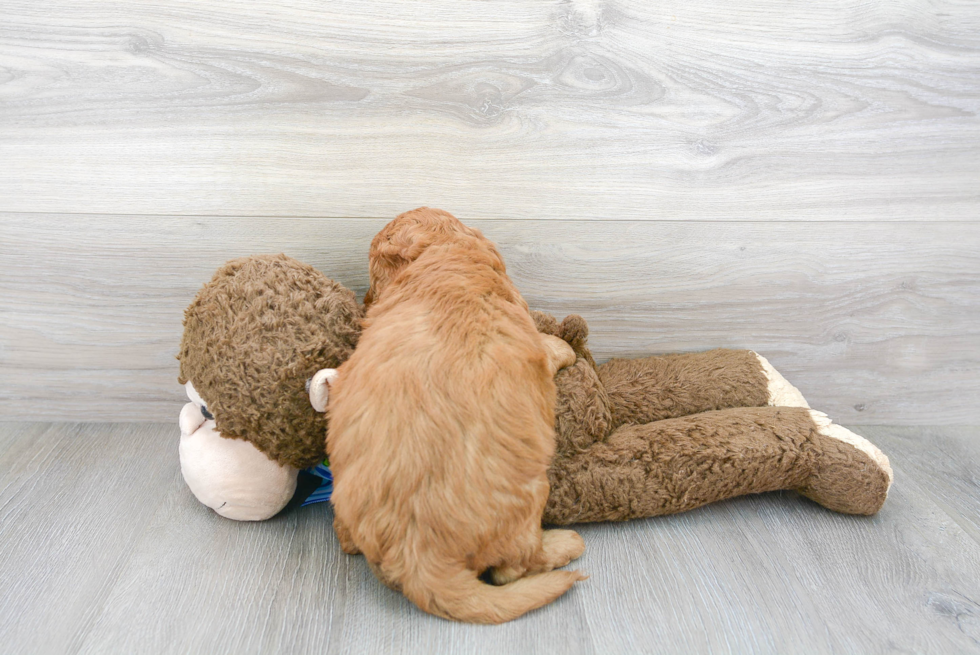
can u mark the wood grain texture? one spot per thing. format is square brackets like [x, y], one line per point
[591, 109]
[74, 501]
[873, 323]
[106, 551]
[944, 462]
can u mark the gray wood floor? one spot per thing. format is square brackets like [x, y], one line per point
[105, 551]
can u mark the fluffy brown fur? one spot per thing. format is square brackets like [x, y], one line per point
[634, 438]
[659, 435]
[441, 429]
[252, 337]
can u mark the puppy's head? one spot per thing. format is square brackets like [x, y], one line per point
[405, 238]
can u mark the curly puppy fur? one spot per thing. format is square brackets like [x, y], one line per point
[441, 429]
[253, 336]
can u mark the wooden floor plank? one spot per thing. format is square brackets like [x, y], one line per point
[872, 323]
[200, 583]
[943, 461]
[197, 582]
[842, 110]
[776, 574]
[74, 499]
[105, 551]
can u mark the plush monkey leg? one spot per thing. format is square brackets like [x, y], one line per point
[678, 464]
[656, 388]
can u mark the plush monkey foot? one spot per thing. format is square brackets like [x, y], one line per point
[781, 392]
[849, 473]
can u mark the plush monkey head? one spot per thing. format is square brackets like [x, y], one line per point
[253, 337]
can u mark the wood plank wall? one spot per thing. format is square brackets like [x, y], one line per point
[800, 179]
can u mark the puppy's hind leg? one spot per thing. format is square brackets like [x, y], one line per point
[344, 537]
[506, 574]
[558, 548]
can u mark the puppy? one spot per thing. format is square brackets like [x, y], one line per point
[441, 429]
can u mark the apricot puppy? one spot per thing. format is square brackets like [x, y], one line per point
[441, 429]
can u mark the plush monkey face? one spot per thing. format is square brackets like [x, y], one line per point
[231, 476]
[253, 336]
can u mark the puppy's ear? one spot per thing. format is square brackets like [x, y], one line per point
[404, 239]
[319, 388]
[384, 264]
[392, 249]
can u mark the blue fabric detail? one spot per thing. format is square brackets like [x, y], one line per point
[324, 491]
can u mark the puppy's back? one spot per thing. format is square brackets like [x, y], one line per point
[441, 428]
[445, 389]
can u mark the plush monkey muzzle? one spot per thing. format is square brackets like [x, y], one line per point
[231, 476]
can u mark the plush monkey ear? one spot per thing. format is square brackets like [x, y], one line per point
[319, 388]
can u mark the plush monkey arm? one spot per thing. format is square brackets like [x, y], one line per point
[669, 386]
[681, 463]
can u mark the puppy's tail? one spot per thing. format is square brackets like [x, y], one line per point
[456, 593]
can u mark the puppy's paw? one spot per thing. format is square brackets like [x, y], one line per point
[345, 538]
[560, 354]
[506, 574]
[561, 547]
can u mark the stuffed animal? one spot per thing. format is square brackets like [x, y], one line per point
[253, 338]
[635, 438]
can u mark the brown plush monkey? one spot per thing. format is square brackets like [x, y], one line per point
[635, 438]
